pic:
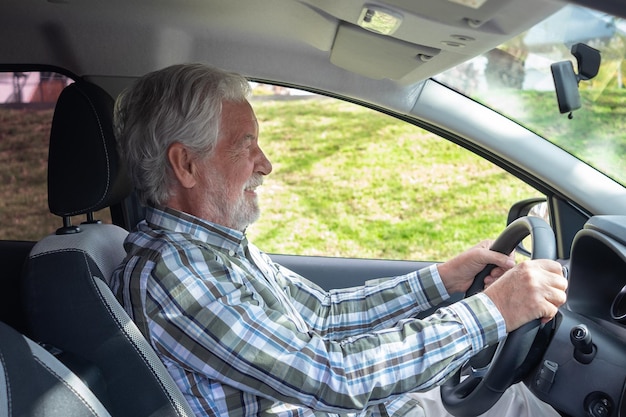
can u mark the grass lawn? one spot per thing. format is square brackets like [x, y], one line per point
[352, 183]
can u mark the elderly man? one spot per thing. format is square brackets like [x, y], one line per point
[242, 335]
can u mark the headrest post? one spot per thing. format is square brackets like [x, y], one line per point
[67, 228]
[90, 219]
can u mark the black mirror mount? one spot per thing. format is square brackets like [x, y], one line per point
[588, 60]
[566, 81]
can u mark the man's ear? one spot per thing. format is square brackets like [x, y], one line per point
[182, 163]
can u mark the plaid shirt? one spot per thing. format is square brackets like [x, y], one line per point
[242, 335]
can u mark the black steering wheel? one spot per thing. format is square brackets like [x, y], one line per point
[497, 367]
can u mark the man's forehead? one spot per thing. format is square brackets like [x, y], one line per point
[238, 109]
[238, 119]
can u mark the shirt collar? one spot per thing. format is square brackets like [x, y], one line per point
[203, 230]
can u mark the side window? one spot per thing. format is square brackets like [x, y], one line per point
[27, 101]
[352, 182]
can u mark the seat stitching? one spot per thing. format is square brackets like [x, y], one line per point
[8, 382]
[69, 386]
[106, 151]
[130, 340]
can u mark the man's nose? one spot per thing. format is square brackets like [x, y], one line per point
[264, 164]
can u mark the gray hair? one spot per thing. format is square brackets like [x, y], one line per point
[180, 103]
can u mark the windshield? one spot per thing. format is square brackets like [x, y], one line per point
[516, 80]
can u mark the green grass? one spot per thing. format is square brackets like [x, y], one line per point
[350, 183]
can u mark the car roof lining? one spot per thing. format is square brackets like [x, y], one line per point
[309, 28]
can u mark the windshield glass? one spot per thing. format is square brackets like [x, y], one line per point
[516, 80]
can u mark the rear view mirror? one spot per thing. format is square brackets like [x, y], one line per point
[566, 80]
[566, 86]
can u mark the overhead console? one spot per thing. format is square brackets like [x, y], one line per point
[411, 40]
[583, 370]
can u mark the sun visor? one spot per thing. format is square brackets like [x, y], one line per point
[377, 56]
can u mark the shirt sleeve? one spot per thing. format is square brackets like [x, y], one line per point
[378, 304]
[208, 316]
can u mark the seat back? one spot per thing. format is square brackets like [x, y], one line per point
[68, 304]
[34, 383]
[13, 255]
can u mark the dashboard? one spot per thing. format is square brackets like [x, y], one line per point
[583, 367]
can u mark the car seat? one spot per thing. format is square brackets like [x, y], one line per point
[68, 305]
[34, 383]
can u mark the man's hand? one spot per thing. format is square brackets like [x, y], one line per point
[458, 273]
[531, 290]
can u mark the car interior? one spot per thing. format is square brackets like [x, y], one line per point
[68, 348]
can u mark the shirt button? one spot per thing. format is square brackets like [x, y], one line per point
[231, 252]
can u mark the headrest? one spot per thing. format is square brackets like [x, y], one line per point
[85, 173]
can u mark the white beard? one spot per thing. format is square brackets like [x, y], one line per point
[240, 214]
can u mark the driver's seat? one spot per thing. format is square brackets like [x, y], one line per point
[68, 304]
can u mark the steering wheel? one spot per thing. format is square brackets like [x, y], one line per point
[497, 367]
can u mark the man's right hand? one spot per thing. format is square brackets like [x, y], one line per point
[531, 290]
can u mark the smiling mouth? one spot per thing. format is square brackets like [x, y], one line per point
[253, 185]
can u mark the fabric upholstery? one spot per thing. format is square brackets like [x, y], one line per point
[34, 383]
